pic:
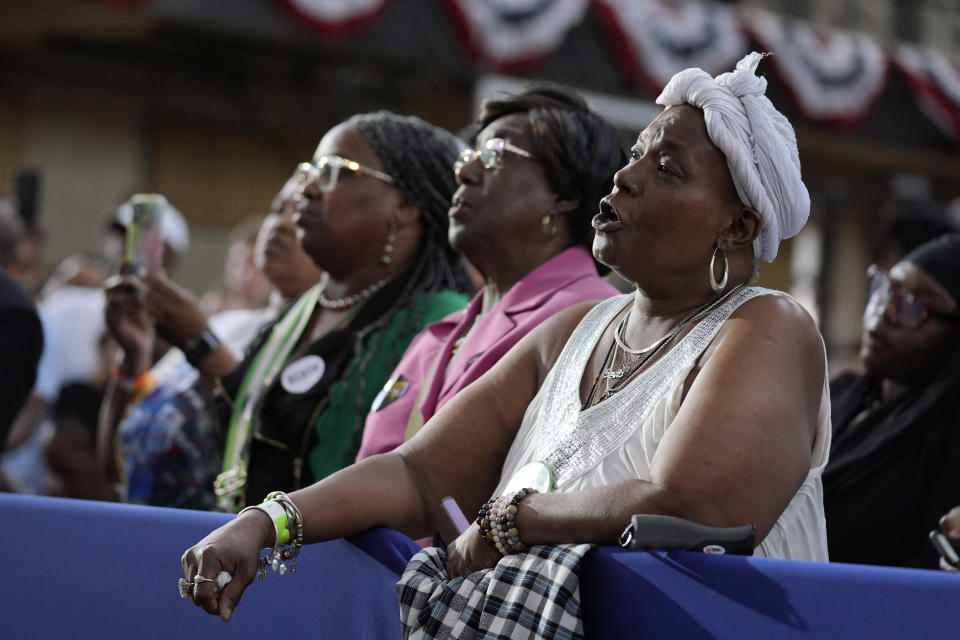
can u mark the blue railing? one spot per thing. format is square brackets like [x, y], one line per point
[77, 569]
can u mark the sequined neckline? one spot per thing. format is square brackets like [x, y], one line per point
[571, 439]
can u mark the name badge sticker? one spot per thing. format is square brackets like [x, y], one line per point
[302, 374]
[393, 389]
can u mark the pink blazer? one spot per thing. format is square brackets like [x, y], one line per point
[566, 279]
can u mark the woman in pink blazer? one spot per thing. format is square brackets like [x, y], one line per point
[521, 216]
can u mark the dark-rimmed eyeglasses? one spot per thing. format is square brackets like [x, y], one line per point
[909, 312]
[325, 171]
[491, 154]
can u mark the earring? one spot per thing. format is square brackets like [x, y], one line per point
[719, 286]
[549, 225]
[387, 256]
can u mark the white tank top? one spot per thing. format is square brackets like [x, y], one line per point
[617, 439]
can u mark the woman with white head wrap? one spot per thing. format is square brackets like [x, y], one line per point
[758, 143]
[695, 396]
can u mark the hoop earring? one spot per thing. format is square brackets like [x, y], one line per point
[387, 256]
[719, 286]
[549, 225]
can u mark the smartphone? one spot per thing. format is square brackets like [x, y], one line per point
[143, 239]
[945, 548]
[451, 522]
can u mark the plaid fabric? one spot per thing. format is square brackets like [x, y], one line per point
[529, 595]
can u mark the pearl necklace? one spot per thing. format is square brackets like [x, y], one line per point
[349, 301]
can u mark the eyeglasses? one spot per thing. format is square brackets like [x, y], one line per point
[491, 155]
[325, 171]
[909, 312]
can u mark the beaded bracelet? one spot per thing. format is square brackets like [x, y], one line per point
[282, 512]
[497, 521]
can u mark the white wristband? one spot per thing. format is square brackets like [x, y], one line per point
[277, 515]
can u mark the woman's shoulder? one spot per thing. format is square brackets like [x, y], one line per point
[773, 319]
[776, 311]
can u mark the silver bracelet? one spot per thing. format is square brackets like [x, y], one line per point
[282, 512]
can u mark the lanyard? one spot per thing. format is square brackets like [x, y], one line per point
[266, 365]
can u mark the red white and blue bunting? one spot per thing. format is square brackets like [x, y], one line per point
[935, 82]
[513, 33]
[657, 38]
[833, 76]
[334, 18]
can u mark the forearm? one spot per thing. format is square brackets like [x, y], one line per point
[109, 456]
[458, 453]
[129, 381]
[599, 515]
[219, 363]
[379, 491]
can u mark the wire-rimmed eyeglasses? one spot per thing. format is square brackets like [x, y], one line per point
[490, 154]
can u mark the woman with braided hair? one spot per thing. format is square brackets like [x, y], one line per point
[374, 218]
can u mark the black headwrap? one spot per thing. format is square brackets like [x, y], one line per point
[940, 258]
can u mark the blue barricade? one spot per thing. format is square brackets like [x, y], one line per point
[78, 569]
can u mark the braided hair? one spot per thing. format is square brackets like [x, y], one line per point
[419, 157]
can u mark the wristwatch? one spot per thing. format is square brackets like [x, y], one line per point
[197, 349]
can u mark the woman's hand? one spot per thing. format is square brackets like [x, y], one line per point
[175, 310]
[469, 553]
[234, 548]
[950, 525]
[129, 324]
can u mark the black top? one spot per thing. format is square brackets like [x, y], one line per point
[21, 343]
[894, 468]
[290, 425]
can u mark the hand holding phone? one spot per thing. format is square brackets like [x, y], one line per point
[143, 240]
[945, 548]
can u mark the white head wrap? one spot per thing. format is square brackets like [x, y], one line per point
[758, 142]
